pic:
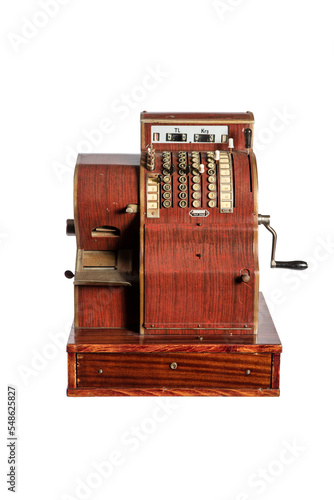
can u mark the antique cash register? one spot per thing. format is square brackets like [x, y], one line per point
[166, 282]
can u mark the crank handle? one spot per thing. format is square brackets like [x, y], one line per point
[298, 265]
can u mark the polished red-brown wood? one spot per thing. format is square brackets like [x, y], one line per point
[118, 340]
[275, 371]
[193, 370]
[104, 186]
[163, 391]
[192, 267]
[108, 307]
[134, 364]
[72, 370]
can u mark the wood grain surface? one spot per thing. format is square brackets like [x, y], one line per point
[123, 340]
[192, 266]
[139, 365]
[197, 370]
[166, 392]
[104, 186]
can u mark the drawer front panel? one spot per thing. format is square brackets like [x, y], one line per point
[201, 370]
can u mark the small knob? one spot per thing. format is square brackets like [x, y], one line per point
[217, 155]
[70, 229]
[173, 365]
[69, 275]
[245, 278]
[131, 208]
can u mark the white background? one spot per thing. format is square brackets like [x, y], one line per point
[65, 77]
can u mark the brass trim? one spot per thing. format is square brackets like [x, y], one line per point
[75, 202]
[256, 240]
[100, 277]
[197, 328]
[203, 121]
[77, 236]
[142, 136]
[142, 187]
[76, 307]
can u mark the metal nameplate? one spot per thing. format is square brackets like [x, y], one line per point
[199, 213]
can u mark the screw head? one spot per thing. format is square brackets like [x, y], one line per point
[173, 365]
[100, 370]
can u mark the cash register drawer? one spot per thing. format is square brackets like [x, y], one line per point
[175, 370]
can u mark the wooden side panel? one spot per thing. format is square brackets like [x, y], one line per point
[107, 307]
[193, 370]
[254, 181]
[72, 370]
[104, 186]
[275, 371]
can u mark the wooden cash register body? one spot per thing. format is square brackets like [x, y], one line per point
[162, 306]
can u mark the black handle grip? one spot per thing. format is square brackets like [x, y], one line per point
[248, 138]
[70, 228]
[69, 275]
[298, 265]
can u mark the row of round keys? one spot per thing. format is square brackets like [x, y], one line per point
[167, 166]
[167, 187]
[211, 164]
[183, 168]
[196, 186]
[182, 157]
[196, 195]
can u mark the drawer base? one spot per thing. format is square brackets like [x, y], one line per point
[112, 362]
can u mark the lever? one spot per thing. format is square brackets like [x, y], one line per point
[69, 275]
[248, 138]
[298, 265]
